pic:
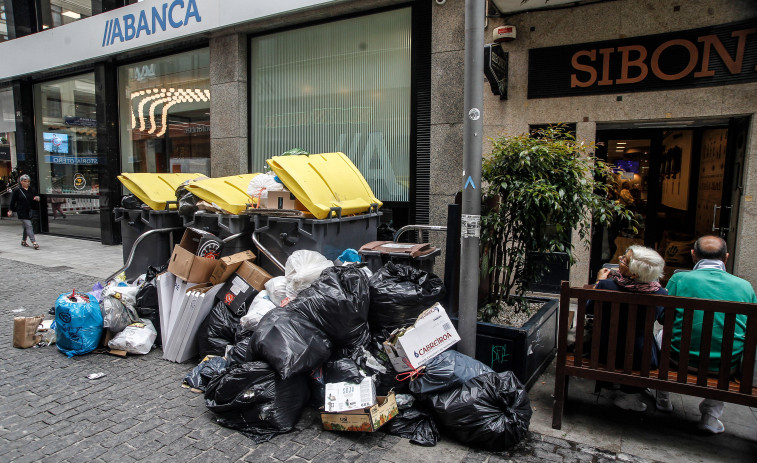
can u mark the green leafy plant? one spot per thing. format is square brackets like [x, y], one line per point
[538, 189]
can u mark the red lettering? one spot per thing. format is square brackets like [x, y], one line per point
[733, 64]
[574, 82]
[626, 63]
[693, 57]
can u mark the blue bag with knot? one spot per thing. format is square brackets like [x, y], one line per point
[79, 323]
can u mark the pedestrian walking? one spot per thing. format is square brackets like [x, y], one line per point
[22, 204]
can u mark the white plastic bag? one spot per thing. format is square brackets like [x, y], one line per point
[302, 268]
[260, 306]
[118, 306]
[277, 289]
[136, 338]
[261, 184]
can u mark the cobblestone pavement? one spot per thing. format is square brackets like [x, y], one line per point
[50, 411]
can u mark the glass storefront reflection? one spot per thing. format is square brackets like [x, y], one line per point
[56, 13]
[165, 114]
[66, 132]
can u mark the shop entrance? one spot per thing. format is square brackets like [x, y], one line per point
[680, 182]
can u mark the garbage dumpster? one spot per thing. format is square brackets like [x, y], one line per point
[154, 250]
[224, 226]
[378, 253]
[281, 236]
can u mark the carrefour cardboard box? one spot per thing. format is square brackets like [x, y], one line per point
[187, 261]
[432, 334]
[368, 419]
[228, 265]
[254, 275]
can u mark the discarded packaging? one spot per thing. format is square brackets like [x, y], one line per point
[346, 396]
[95, 375]
[368, 419]
[187, 261]
[226, 266]
[24, 331]
[432, 334]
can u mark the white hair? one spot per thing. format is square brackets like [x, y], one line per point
[646, 263]
[24, 177]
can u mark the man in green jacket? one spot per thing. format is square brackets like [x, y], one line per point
[708, 280]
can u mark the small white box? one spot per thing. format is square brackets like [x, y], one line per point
[342, 397]
[432, 334]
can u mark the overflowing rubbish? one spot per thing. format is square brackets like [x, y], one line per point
[320, 314]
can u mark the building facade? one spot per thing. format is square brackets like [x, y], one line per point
[93, 88]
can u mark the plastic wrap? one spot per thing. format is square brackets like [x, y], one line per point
[260, 306]
[289, 342]
[491, 411]
[448, 370]
[251, 398]
[338, 305]
[399, 293]
[78, 323]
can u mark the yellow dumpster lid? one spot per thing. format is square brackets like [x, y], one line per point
[228, 193]
[155, 189]
[326, 180]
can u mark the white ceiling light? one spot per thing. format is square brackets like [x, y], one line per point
[71, 14]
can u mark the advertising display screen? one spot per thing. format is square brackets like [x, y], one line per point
[55, 142]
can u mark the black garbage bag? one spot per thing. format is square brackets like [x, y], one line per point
[251, 398]
[317, 386]
[386, 380]
[490, 411]
[448, 370]
[131, 202]
[289, 342]
[187, 201]
[147, 300]
[337, 303]
[201, 375]
[217, 330]
[343, 370]
[238, 352]
[414, 424]
[399, 293]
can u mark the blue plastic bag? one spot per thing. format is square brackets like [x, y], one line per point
[79, 323]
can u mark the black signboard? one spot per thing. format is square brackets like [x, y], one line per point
[5, 153]
[717, 55]
[80, 121]
[495, 69]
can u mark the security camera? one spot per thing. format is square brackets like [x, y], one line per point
[441, 2]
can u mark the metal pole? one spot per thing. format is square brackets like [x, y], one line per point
[472, 145]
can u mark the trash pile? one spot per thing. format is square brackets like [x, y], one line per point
[367, 345]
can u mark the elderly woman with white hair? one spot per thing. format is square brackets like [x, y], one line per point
[22, 203]
[639, 272]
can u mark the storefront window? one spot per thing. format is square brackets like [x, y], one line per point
[3, 22]
[342, 86]
[165, 114]
[56, 13]
[66, 133]
[7, 140]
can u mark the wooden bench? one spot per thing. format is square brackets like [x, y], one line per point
[667, 378]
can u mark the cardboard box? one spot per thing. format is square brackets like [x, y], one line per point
[187, 262]
[432, 334]
[201, 243]
[226, 266]
[283, 199]
[236, 293]
[368, 419]
[254, 275]
[345, 396]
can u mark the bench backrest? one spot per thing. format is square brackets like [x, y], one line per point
[646, 303]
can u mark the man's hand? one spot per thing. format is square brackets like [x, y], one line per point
[36, 198]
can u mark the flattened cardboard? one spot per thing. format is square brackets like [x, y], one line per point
[368, 419]
[254, 275]
[283, 199]
[226, 266]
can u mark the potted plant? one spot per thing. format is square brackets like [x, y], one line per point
[538, 190]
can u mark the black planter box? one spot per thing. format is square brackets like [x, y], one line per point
[527, 351]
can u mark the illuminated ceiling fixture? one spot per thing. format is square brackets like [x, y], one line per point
[71, 14]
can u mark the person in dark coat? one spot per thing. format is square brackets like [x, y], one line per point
[22, 203]
[639, 271]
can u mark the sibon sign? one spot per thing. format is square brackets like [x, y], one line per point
[150, 21]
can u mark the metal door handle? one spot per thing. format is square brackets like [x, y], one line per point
[714, 216]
